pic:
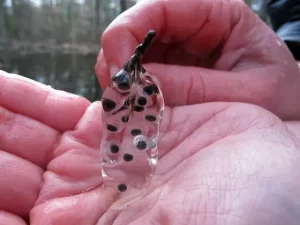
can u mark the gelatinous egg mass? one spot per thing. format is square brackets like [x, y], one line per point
[132, 113]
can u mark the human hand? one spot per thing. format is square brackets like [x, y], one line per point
[35, 120]
[233, 175]
[207, 51]
[219, 163]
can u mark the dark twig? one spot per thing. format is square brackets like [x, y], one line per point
[136, 60]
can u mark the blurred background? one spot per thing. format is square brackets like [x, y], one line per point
[56, 42]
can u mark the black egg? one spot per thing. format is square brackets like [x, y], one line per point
[150, 118]
[135, 132]
[141, 145]
[125, 119]
[108, 104]
[111, 128]
[127, 157]
[142, 100]
[114, 148]
[122, 187]
[122, 80]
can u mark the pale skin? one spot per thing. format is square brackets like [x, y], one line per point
[231, 160]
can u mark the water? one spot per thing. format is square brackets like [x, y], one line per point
[69, 72]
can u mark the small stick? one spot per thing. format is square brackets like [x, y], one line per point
[136, 60]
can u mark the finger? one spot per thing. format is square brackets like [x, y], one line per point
[198, 33]
[191, 85]
[75, 166]
[20, 183]
[26, 138]
[72, 184]
[57, 109]
[11, 219]
[89, 128]
[81, 209]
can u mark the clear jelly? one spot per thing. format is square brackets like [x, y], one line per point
[132, 113]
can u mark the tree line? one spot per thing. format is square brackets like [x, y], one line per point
[58, 21]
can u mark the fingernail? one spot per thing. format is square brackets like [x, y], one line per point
[113, 69]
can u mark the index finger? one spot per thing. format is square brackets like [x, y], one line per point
[197, 25]
[57, 109]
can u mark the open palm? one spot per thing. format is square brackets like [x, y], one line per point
[219, 163]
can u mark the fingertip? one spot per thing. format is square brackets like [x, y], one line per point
[66, 114]
[102, 70]
[89, 128]
[118, 45]
[122, 36]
